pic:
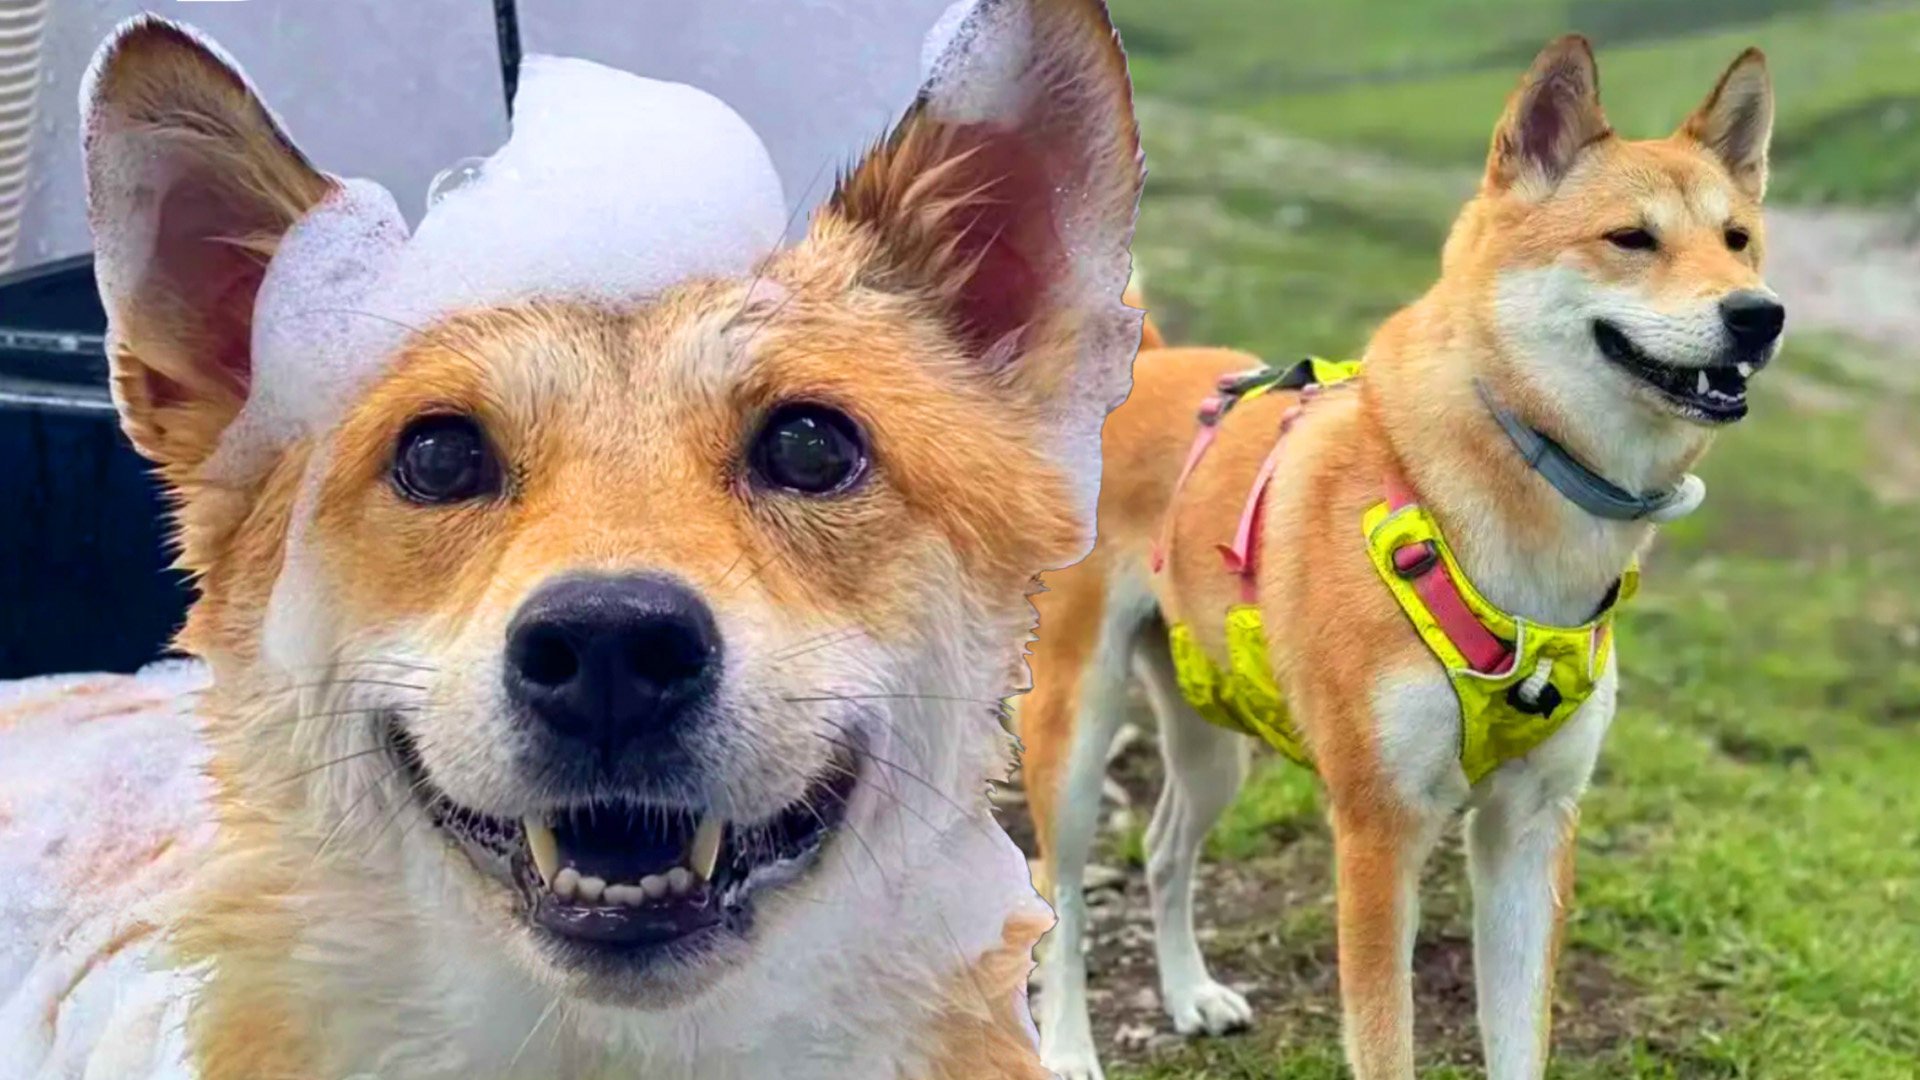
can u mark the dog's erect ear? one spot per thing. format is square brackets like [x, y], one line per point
[1551, 118]
[1007, 195]
[190, 186]
[1736, 121]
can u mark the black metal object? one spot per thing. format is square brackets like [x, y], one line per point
[506, 31]
[84, 583]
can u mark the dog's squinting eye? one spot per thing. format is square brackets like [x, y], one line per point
[1632, 239]
[810, 449]
[1737, 238]
[444, 459]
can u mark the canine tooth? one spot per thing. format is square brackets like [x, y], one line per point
[1745, 369]
[1704, 384]
[566, 883]
[591, 889]
[546, 850]
[654, 885]
[680, 880]
[704, 852]
[627, 895]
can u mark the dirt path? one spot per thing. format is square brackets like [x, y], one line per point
[1851, 272]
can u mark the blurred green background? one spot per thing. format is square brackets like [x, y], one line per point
[1749, 894]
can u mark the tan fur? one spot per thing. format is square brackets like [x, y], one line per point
[1335, 632]
[978, 1034]
[622, 430]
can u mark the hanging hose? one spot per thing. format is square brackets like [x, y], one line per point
[22, 23]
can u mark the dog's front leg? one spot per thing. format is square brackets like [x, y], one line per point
[1521, 859]
[1378, 852]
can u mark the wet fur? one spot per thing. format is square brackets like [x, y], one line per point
[336, 930]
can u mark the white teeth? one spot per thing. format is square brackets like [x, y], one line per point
[1745, 369]
[591, 889]
[704, 852]
[679, 880]
[654, 886]
[627, 895]
[1704, 384]
[566, 883]
[546, 850]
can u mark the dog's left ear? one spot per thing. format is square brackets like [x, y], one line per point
[1735, 123]
[1006, 198]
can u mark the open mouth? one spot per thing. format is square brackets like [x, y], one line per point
[628, 874]
[1715, 394]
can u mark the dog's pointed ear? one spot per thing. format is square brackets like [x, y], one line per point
[1550, 119]
[191, 183]
[1735, 123]
[1006, 196]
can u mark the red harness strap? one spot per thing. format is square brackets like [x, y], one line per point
[1422, 565]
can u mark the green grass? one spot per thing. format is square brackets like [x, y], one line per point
[1424, 80]
[1749, 902]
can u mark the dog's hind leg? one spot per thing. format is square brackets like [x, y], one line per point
[1204, 767]
[1066, 1030]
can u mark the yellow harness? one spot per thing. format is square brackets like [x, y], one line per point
[1517, 681]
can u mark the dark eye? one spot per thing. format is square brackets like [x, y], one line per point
[1737, 238]
[809, 449]
[1632, 239]
[444, 459]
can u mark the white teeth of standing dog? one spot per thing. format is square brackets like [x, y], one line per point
[591, 889]
[545, 849]
[1704, 384]
[1745, 369]
[566, 883]
[704, 852]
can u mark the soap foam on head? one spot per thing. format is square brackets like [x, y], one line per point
[611, 189]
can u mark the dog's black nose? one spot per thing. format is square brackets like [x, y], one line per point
[1753, 318]
[611, 660]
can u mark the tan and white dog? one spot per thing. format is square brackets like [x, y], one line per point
[608, 682]
[1608, 294]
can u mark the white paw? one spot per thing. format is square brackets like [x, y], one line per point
[1210, 1008]
[1072, 1063]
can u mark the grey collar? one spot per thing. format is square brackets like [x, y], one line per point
[1582, 486]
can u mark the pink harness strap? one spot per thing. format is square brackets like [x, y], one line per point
[1239, 555]
[1422, 565]
[1202, 439]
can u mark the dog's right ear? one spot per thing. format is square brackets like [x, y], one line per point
[1550, 119]
[191, 183]
[1006, 195]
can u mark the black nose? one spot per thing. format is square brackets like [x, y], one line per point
[611, 660]
[1753, 318]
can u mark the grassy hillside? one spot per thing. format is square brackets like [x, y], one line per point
[1749, 903]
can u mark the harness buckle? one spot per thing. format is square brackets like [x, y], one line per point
[1548, 701]
[1412, 561]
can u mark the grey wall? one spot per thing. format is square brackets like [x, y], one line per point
[396, 90]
